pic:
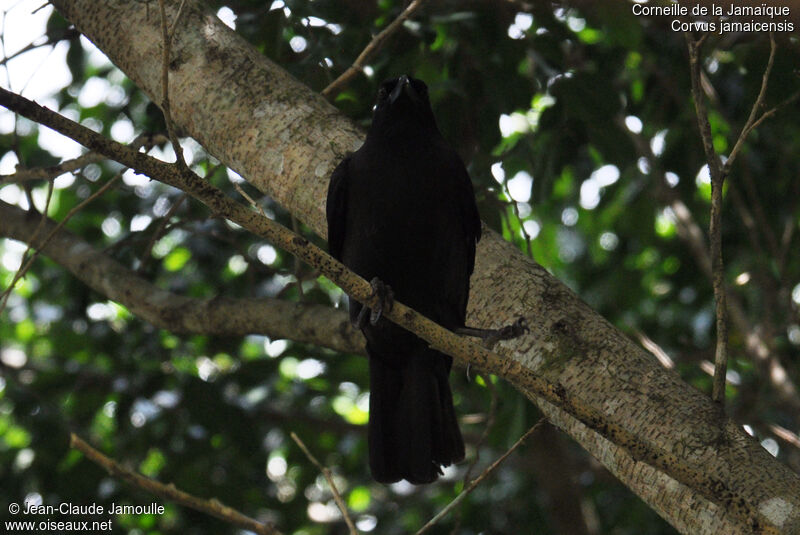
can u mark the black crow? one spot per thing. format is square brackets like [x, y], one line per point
[401, 212]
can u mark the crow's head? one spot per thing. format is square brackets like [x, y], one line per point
[403, 102]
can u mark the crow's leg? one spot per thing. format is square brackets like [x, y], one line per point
[385, 301]
[491, 336]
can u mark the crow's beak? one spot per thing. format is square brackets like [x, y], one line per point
[404, 86]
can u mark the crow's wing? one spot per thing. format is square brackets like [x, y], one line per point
[336, 208]
[470, 219]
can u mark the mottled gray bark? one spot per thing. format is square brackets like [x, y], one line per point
[303, 322]
[285, 140]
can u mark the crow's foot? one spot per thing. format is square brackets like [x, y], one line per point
[385, 297]
[491, 336]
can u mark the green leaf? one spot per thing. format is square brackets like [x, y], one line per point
[359, 499]
[176, 259]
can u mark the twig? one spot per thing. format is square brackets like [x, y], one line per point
[211, 507]
[177, 18]
[784, 434]
[310, 323]
[772, 111]
[67, 166]
[48, 173]
[712, 158]
[166, 42]
[515, 208]
[44, 5]
[490, 420]
[756, 344]
[717, 173]
[329, 477]
[70, 33]
[751, 120]
[27, 265]
[371, 49]
[650, 345]
[477, 481]
[249, 199]
[157, 233]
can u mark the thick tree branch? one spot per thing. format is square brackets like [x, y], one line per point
[309, 323]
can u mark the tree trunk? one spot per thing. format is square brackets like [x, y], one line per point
[285, 140]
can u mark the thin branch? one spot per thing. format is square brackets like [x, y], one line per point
[70, 33]
[487, 428]
[212, 507]
[515, 208]
[717, 173]
[772, 111]
[462, 349]
[295, 229]
[44, 5]
[67, 166]
[704, 126]
[490, 420]
[650, 345]
[157, 233]
[175, 22]
[329, 478]
[751, 120]
[477, 481]
[165, 49]
[757, 346]
[371, 49]
[49, 173]
[307, 323]
[249, 199]
[786, 435]
[27, 265]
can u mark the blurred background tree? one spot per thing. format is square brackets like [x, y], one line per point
[578, 127]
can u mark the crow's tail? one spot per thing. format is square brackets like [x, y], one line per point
[412, 425]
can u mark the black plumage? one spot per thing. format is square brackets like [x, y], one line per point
[402, 209]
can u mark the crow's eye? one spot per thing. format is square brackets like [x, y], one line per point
[383, 93]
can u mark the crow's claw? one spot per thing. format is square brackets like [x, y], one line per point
[491, 336]
[518, 328]
[385, 297]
